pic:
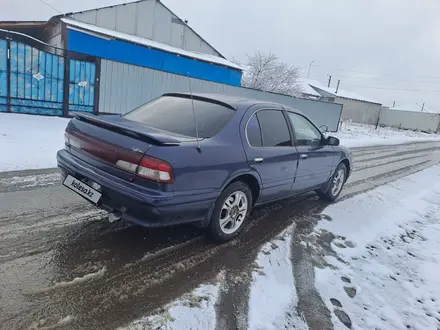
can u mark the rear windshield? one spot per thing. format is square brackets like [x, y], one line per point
[175, 115]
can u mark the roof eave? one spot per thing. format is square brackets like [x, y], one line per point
[348, 98]
[342, 97]
[152, 47]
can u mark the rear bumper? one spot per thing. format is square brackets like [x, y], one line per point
[137, 204]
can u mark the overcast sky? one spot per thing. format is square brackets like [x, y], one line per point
[392, 46]
[397, 39]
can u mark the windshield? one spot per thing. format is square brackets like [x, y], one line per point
[175, 115]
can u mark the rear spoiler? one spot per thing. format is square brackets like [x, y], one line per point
[158, 136]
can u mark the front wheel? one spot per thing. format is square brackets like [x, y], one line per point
[335, 187]
[230, 213]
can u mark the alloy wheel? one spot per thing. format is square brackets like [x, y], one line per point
[338, 182]
[233, 212]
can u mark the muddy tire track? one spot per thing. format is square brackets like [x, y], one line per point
[232, 304]
[310, 303]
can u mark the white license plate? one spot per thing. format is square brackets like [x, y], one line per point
[82, 189]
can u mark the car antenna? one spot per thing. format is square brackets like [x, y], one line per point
[194, 114]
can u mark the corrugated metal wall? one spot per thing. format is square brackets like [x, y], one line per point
[124, 87]
[422, 121]
[358, 111]
[147, 19]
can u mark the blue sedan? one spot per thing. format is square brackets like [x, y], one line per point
[201, 159]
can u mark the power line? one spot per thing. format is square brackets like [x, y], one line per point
[50, 6]
[360, 80]
[395, 89]
[345, 78]
[376, 73]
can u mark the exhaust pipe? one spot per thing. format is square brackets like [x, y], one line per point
[113, 217]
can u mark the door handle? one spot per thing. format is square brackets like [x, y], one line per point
[303, 156]
[258, 160]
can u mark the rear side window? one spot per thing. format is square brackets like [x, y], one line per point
[274, 128]
[253, 132]
[175, 115]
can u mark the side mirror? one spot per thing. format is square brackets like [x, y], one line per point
[323, 129]
[332, 141]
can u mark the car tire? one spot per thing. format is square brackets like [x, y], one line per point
[230, 213]
[334, 188]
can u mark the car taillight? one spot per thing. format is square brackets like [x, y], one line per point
[66, 136]
[155, 169]
[149, 168]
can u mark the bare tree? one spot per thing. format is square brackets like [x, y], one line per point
[265, 71]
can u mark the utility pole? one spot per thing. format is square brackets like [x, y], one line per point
[337, 87]
[394, 104]
[423, 106]
[329, 80]
[310, 68]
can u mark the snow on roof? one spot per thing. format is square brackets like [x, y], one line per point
[306, 87]
[416, 107]
[345, 94]
[150, 43]
[34, 10]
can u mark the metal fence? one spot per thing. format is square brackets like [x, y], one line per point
[412, 120]
[124, 87]
[40, 79]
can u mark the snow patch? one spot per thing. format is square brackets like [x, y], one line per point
[29, 141]
[152, 255]
[76, 281]
[389, 279]
[359, 135]
[272, 298]
[194, 310]
[31, 181]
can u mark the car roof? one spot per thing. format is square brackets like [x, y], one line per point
[230, 100]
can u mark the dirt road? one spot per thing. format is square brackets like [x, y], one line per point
[63, 265]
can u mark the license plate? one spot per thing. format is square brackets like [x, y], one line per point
[82, 189]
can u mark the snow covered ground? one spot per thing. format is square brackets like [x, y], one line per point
[386, 271]
[194, 310]
[360, 135]
[31, 142]
[380, 269]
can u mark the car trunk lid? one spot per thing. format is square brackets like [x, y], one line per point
[112, 140]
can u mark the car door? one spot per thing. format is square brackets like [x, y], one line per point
[315, 156]
[270, 152]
